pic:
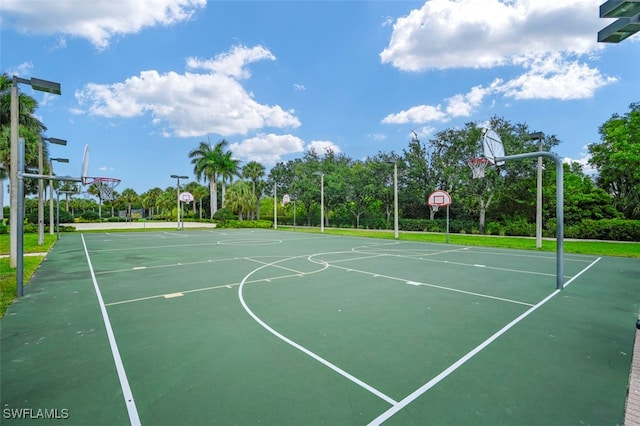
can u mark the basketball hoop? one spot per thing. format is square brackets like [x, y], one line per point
[478, 166]
[439, 199]
[105, 186]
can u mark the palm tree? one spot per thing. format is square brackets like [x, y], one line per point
[30, 128]
[207, 162]
[255, 172]
[240, 198]
[150, 199]
[128, 197]
[229, 169]
[199, 192]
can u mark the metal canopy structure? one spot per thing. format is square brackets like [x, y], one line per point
[627, 23]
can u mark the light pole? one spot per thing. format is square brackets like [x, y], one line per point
[321, 200]
[51, 160]
[178, 196]
[539, 136]
[55, 141]
[627, 24]
[395, 199]
[275, 206]
[42, 86]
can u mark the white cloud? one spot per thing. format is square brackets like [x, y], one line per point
[491, 33]
[96, 20]
[22, 70]
[191, 104]
[232, 63]
[299, 87]
[457, 106]
[378, 136]
[322, 147]
[583, 160]
[553, 77]
[267, 148]
[550, 77]
[416, 114]
[487, 33]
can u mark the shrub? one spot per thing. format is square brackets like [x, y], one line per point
[494, 228]
[65, 216]
[520, 227]
[264, 224]
[606, 229]
[90, 215]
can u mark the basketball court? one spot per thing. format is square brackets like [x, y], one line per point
[276, 327]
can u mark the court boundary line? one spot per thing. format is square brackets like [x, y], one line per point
[217, 287]
[448, 262]
[129, 401]
[453, 367]
[376, 275]
[301, 348]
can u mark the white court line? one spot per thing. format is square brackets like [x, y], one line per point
[448, 262]
[453, 367]
[122, 375]
[277, 266]
[455, 290]
[301, 348]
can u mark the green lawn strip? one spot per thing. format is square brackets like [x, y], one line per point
[8, 279]
[8, 275]
[598, 248]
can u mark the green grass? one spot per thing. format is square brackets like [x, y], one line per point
[597, 248]
[8, 275]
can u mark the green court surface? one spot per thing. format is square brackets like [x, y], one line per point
[242, 327]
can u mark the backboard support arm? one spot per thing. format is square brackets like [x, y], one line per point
[559, 208]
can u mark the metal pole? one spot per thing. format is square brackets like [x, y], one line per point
[58, 216]
[322, 203]
[539, 200]
[559, 209]
[40, 195]
[13, 178]
[275, 206]
[294, 215]
[178, 200]
[395, 201]
[51, 199]
[447, 223]
[20, 221]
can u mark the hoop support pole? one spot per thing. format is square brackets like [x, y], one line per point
[559, 208]
[51, 177]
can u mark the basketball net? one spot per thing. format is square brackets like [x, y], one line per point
[478, 166]
[105, 187]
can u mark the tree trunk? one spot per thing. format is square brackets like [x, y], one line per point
[483, 211]
[213, 190]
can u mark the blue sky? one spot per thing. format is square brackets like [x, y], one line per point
[144, 81]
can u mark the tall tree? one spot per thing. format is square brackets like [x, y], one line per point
[129, 197]
[240, 198]
[254, 171]
[617, 159]
[207, 163]
[229, 168]
[29, 128]
[419, 179]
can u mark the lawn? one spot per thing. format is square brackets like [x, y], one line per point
[31, 263]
